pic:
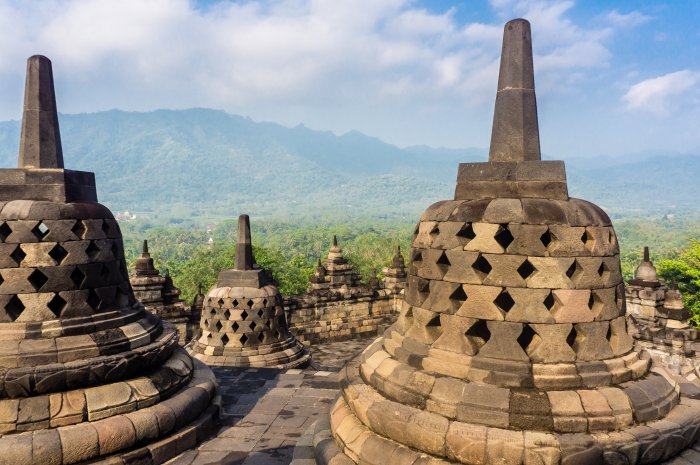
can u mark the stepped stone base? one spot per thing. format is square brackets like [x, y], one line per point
[362, 419]
[145, 420]
[290, 353]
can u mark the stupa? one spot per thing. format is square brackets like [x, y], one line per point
[159, 295]
[659, 321]
[86, 374]
[512, 346]
[335, 275]
[395, 275]
[243, 321]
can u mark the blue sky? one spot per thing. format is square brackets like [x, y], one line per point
[612, 78]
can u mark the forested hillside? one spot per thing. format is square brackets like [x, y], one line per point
[204, 165]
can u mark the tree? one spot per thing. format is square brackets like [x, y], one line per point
[686, 270]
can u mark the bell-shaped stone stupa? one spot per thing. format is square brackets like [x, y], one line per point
[86, 374]
[512, 346]
[243, 322]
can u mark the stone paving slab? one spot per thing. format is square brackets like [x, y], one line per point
[265, 411]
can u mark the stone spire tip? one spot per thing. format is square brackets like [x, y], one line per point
[335, 241]
[244, 249]
[40, 141]
[646, 254]
[515, 132]
[144, 248]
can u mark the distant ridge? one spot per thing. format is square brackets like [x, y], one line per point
[206, 164]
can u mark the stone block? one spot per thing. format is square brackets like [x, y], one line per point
[504, 447]
[466, 443]
[79, 442]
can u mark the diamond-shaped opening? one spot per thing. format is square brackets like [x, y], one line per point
[549, 301]
[77, 276]
[265, 302]
[235, 326]
[37, 279]
[503, 236]
[224, 339]
[209, 336]
[250, 303]
[261, 337]
[93, 299]
[466, 232]
[603, 270]
[611, 237]
[212, 313]
[591, 301]
[92, 250]
[18, 255]
[504, 301]
[244, 315]
[423, 288]
[571, 338]
[443, 260]
[220, 302]
[253, 326]
[14, 307]
[459, 295]
[417, 256]
[417, 230]
[40, 230]
[526, 337]
[235, 303]
[435, 231]
[79, 229]
[227, 314]
[480, 331]
[574, 270]
[218, 325]
[114, 249]
[526, 269]
[105, 227]
[56, 305]
[5, 231]
[546, 238]
[482, 265]
[608, 334]
[434, 322]
[104, 272]
[243, 339]
[58, 253]
[268, 323]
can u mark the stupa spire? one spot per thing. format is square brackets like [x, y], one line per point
[646, 254]
[515, 132]
[40, 142]
[144, 249]
[244, 249]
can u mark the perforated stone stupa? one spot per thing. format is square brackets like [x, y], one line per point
[159, 295]
[243, 321]
[512, 346]
[86, 374]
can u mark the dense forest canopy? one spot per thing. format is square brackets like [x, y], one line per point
[291, 249]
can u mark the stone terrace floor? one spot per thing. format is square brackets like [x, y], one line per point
[265, 411]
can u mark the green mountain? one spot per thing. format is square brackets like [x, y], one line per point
[205, 164]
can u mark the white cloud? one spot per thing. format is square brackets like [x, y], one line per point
[322, 62]
[662, 94]
[631, 19]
